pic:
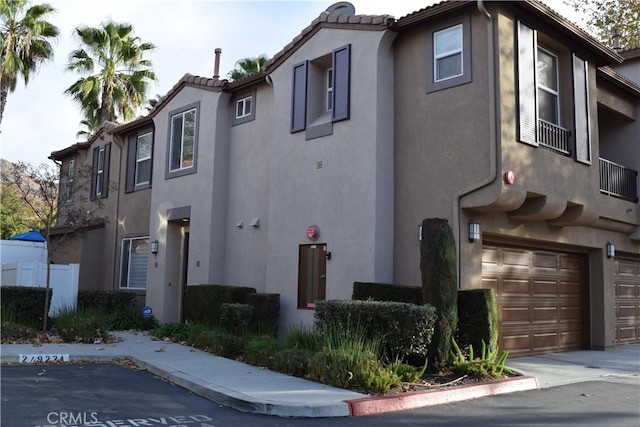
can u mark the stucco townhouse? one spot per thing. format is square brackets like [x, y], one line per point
[504, 118]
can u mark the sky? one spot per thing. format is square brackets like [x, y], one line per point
[40, 118]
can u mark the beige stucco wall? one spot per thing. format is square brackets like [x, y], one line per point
[341, 183]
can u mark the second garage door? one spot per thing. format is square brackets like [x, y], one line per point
[541, 298]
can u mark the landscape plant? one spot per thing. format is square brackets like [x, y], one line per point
[485, 364]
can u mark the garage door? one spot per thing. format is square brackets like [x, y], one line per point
[541, 298]
[627, 286]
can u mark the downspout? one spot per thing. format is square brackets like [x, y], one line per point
[493, 131]
[115, 276]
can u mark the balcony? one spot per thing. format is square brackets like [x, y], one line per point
[554, 137]
[618, 181]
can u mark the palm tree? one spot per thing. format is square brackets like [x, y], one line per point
[248, 66]
[117, 74]
[26, 38]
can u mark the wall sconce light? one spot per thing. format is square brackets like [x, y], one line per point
[420, 232]
[154, 248]
[474, 231]
[611, 250]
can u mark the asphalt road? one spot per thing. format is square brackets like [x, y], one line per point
[110, 395]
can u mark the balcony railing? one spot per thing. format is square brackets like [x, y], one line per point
[554, 137]
[618, 181]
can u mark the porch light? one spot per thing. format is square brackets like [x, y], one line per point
[611, 250]
[474, 231]
[154, 247]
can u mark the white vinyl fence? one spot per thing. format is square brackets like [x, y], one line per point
[64, 281]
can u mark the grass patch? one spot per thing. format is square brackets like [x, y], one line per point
[82, 325]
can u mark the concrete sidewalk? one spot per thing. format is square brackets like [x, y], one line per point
[247, 388]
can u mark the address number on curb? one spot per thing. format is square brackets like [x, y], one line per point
[43, 358]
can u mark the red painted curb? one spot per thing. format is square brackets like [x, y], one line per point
[420, 399]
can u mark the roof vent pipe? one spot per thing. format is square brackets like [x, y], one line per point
[615, 35]
[216, 66]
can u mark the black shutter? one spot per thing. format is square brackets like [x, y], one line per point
[131, 163]
[94, 171]
[341, 59]
[527, 107]
[581, 102]
[105, 179]
[299, 97]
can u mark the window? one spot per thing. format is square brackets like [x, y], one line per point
[143, 159]
[100, 179]
[243, 107]
[321, 93]
[547, 73]
[183, 140]
[71, 177]
[449, 53]
[133, 265]
[540, 95]
[329, 91]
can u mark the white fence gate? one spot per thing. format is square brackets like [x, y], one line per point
[64, 281]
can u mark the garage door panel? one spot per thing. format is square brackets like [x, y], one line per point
[540, 307]
[627, 300]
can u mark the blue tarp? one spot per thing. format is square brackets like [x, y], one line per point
[29, 236]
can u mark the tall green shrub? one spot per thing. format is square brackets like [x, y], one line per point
[439, 286]
[477, 318]
[387, 292]
[203, 302]
[26, 303]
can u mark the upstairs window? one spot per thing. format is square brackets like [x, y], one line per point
[100, 180]
[143, 159]
[447, 53]
[321, 93]
[243, 107]
[182, 146]
[548, 96]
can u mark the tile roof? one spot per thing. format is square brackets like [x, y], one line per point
[105, 127]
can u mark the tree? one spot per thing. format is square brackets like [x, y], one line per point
[439, 286]
[602, 17]
[26, 38]
[248, 66]
[37, 187]
[117, 75]
[15, 217]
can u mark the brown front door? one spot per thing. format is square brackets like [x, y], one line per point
[312, 274]
[541, 298]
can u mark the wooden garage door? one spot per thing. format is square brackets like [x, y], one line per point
[627, 285]
[541, 298]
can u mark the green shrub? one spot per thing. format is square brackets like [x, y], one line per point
[26, 303]
[438, 267]
[486, 364]
[81, 325]
[11, 332]
[202, 302]
[7, 314]
[260, 350]
[477, 318]
[127, 320]
[178, 332]
[405, 329]
[292, 361]
[407, 373]
[107, 301]
[302, 338]
[220, 343]
[266, 312]
[387, 292]
[236, 318]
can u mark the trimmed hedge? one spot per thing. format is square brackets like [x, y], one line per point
[477, 318]
[202, 303]
[107, 301]
[387, 292]
[236, 318]
[407, 328]
[26, 303]
[266, 312]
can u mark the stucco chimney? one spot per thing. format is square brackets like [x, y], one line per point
[216, 66]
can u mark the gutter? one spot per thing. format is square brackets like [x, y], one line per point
[493, 131]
